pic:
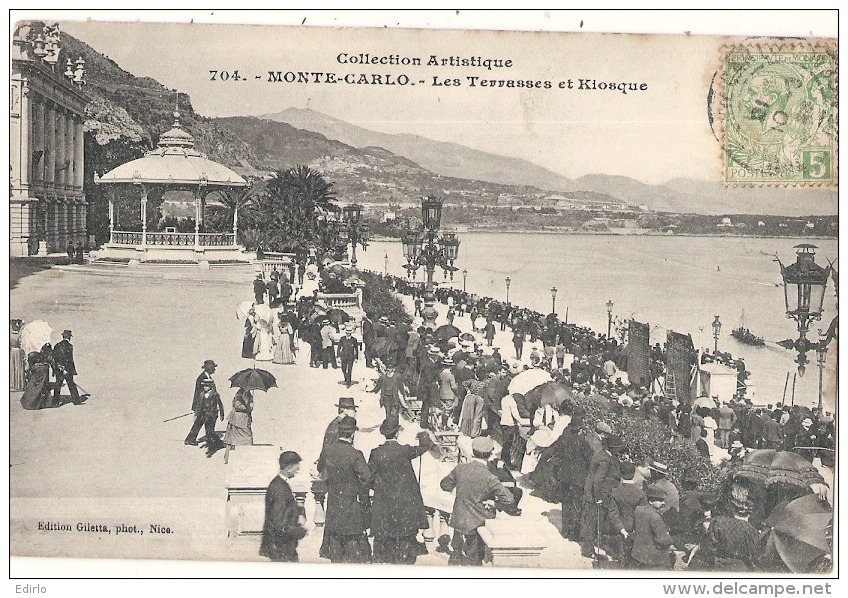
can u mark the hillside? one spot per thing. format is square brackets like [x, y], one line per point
[442, 158]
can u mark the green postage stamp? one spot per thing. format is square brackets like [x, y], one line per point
[780, 115]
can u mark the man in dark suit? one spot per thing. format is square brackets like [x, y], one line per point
[477, 489]
[397, 508]
[573, 455]
[205, 406]
[348, 353]
[284, 518]
[368, 338]
[64, 368]
[347, 408]
[259, 289]
[604, 475]
[428, 385]
[348, 480]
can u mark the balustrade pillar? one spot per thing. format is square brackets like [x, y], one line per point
[111, 220]
[319, 493]
[144, 215]
[196, 219]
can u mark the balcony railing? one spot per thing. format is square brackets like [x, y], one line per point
[160, 239]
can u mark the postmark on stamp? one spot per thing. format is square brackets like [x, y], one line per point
[778, 111]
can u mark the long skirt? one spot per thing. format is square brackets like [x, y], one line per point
[239, 430]
[247, 346]
[283, 349]
[17, 376]
[264, 346]
[38, 393]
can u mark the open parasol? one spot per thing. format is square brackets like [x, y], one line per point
[528, 380]
[445, 332]
[338, 316]
[35, 335]
[549, 393]
[768, 466]
[263, 312]
[253, 379]
[704, 402]
[243, 309]
[799, 532]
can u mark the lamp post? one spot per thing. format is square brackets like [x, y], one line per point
[553, 300]
[609, 318]
[464, 278]
[355, 231]
[386, 264]
[422, 246]
[716, 332]
[508, 280]
[821, 357]
[804, 283]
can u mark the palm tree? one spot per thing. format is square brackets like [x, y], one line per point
[224, 215]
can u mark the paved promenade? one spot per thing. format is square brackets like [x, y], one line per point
[140, 337]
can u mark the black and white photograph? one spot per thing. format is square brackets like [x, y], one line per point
[407, 297]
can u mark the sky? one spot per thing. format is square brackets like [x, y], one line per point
[653, 134]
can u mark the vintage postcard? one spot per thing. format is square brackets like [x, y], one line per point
[420, 297]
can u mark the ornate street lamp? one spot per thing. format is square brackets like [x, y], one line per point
[353, 231]
[821, 358]
[609, 317]
[464, 278]
[431, 212]
[804, 284]
[553, 299]
[386, 264]
[716, 331]
[507, 289]
[423, 247]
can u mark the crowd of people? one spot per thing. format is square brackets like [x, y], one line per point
[636, 514]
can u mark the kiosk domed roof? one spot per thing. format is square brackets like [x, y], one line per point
[175, 161]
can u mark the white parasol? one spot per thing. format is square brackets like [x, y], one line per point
[528, 380]
[35, 335]
[263, 312]
[243, 309]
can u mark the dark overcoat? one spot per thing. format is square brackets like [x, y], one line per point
[397, 509]
[348, 480]
[282, 529]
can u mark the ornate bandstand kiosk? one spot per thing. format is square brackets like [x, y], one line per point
[175, 165]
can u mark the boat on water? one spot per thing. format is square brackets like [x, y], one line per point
[743, 335]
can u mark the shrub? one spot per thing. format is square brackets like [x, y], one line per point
[651, 438]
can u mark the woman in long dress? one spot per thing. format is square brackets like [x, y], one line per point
[239, 422]
[283, 352]
[264, 345]
[249, 335]
[38, 393]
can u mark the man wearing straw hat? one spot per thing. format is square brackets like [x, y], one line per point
[348, 353]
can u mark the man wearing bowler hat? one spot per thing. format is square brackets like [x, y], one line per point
[203, 404]
[348, 504]
[398, 508]
[64, 368]
[604, 475]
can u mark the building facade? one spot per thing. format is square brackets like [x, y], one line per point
[47, 111]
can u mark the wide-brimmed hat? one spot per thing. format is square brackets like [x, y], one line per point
[384, 319]
[432, 350]
[737, 444]
[659, 467]
[390, 426]
[654, 492]
[448, 362]
[347, 425]
[346, 403]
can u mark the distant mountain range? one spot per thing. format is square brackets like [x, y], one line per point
[446, 159]
[455, 160]
[371, 166]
